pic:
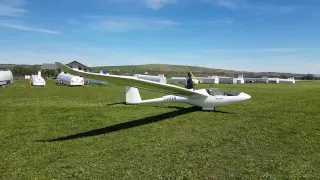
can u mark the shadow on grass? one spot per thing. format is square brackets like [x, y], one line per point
[161, 106]
[145, 105]
[130, 124]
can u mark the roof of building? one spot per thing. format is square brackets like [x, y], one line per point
[49, 66]
[79, 64]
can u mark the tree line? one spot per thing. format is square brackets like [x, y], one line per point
[310, 77]
[19, 71]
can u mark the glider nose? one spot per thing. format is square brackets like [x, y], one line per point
[244, 96]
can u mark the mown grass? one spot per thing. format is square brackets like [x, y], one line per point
[275, 135]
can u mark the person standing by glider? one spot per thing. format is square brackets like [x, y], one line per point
[189, 84]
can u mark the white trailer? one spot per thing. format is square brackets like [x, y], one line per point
[228, 80]
[71, 80]
[273, 80]
[208, 80]
[37, 80]
[160, 78]
[6, 77]
[256, 80]
[182, 80]
[289, 80]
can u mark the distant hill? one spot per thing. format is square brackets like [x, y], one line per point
[23, 65]
[162, 68]
[179, 70]
[173, 70]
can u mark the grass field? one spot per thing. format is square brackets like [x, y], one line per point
[274, 135]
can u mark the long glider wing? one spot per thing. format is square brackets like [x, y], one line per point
[133, 82]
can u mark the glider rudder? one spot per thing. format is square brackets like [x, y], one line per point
[132, 95]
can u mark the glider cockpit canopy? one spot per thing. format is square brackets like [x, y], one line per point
[222, 92]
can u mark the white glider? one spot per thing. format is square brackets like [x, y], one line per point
[207, 99]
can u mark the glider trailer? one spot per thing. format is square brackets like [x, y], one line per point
[207, 98]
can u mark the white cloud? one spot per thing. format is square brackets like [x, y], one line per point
[12, 7]
[262, 50]
[230, 4]
[258, 7]
[275, 9]
[227, 3]
[152, 4]
[287, 9]
[26, 28]
[221, 21]
[158, 4]
[122, 24]
[135, 23]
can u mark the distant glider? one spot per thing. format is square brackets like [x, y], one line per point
[207, 99]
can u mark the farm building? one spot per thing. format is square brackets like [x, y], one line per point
[80, 66]
[50, 68]
[6, 77]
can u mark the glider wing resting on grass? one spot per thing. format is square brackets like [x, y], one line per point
[207, 98]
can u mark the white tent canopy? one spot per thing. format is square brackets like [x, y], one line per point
[71, 80]
[6, 77]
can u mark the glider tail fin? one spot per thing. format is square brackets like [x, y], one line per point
[132, 95]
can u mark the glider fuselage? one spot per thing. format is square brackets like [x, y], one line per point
[208, 102]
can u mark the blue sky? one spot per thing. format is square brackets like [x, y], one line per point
[252, 35]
